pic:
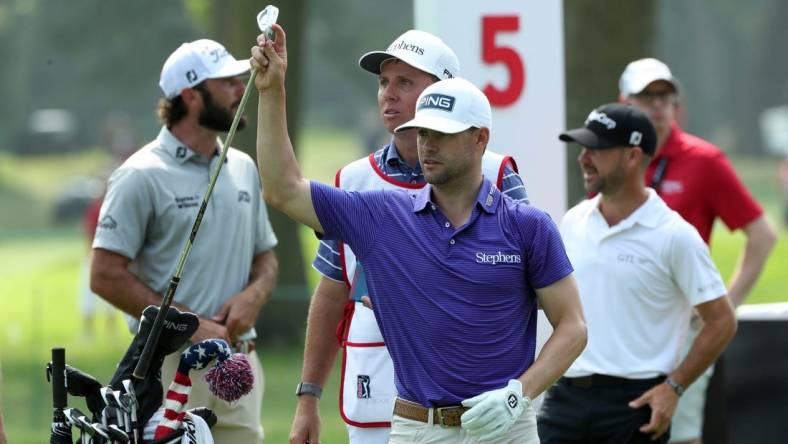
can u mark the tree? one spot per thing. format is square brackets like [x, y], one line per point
[601, 38]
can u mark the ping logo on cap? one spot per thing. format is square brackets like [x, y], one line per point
[601, 118]
[437, 101]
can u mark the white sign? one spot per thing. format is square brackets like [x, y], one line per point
[514, 51]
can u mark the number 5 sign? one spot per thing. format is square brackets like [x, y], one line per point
[513, 50]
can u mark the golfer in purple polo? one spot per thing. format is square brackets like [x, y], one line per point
[456, 296]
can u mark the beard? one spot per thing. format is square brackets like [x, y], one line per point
[606, 185]
[215, 117]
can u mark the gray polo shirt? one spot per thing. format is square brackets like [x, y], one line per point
[150, 207]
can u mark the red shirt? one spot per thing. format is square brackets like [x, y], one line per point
[700, 184]
[90, 218]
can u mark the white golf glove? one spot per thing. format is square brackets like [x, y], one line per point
[493, 412]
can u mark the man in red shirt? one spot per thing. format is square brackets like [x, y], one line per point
[695, 178]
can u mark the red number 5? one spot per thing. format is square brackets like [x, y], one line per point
[491, 54]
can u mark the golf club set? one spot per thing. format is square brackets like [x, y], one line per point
[120, 410]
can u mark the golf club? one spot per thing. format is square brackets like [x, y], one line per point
[72, 416]
[102, 435]
[84, 385]
[265, 21]
[117, 435]
[134, 405]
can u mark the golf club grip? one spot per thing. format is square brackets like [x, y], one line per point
[143, 364]
[59, 395]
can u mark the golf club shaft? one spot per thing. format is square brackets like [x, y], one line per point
[146, 356]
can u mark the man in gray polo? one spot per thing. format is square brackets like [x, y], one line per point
[150, 206]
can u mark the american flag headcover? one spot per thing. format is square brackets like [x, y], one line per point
[230, 379]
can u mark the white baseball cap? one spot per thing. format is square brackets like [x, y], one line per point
[451, 106]
[418, 49]
[196, 61]
[641, 73]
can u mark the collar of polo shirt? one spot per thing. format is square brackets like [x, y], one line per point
[178, 150]
[645, 215]
[487, 199]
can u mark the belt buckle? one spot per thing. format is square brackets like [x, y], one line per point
[440, 411]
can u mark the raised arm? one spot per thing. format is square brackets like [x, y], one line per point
[285, 187]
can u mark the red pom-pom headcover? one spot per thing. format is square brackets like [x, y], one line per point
[231, 378]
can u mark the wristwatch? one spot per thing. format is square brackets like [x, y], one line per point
[678, 388]
[305, 388]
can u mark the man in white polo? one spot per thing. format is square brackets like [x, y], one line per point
[641, 269]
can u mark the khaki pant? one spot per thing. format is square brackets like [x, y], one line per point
[408, 431]
[238, 422]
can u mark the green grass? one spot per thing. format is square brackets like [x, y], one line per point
[39, 272]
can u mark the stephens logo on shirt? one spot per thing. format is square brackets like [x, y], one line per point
[497, 258]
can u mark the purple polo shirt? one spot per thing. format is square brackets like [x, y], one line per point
[456, 306]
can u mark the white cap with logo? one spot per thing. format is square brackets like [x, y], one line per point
[196, 61]
[451, 106]
[641, 73]
[418, 49]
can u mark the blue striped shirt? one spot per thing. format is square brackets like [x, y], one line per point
[456, 306]
[327, 260]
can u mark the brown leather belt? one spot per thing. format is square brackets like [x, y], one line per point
[444, 416]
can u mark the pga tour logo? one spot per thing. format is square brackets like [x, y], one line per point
[362, 387]
[437, 101]
[497, 258]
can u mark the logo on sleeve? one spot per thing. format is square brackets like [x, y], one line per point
[244, 196]
[107, 223]
[437, 101]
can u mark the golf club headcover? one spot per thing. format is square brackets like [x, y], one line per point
[230, 379]
[177, 329]
[206, 414]
[79, 383]
[194, 431]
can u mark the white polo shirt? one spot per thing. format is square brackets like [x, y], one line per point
[150, 207]
[638, 283]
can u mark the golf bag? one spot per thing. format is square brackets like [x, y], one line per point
[122, 411]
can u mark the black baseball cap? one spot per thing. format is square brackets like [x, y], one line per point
[614, 125]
